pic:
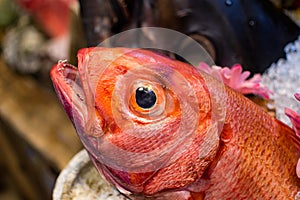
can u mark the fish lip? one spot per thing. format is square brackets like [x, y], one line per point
[66, 82]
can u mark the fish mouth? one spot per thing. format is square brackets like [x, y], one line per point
[68, 86]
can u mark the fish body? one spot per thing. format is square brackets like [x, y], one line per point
[258, 158]
[158, 128]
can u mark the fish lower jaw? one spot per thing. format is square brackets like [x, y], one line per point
[68, 87]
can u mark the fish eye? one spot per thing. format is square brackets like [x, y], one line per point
[145, 97]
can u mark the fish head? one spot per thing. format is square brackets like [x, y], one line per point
[148, 122]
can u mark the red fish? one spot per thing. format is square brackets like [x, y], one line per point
[53, 16]
[158, 128]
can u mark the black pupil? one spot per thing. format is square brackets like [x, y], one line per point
[145, 97]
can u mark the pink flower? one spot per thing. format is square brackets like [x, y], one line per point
[294, 117]
[298, 168]
[297, 96]
[237, 79]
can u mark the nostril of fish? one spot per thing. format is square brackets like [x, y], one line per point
[80, 97]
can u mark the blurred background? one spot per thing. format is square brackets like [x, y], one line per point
[36, 138]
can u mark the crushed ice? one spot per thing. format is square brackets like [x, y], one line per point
[283, 78]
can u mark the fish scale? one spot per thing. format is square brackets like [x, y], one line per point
[264, 159]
